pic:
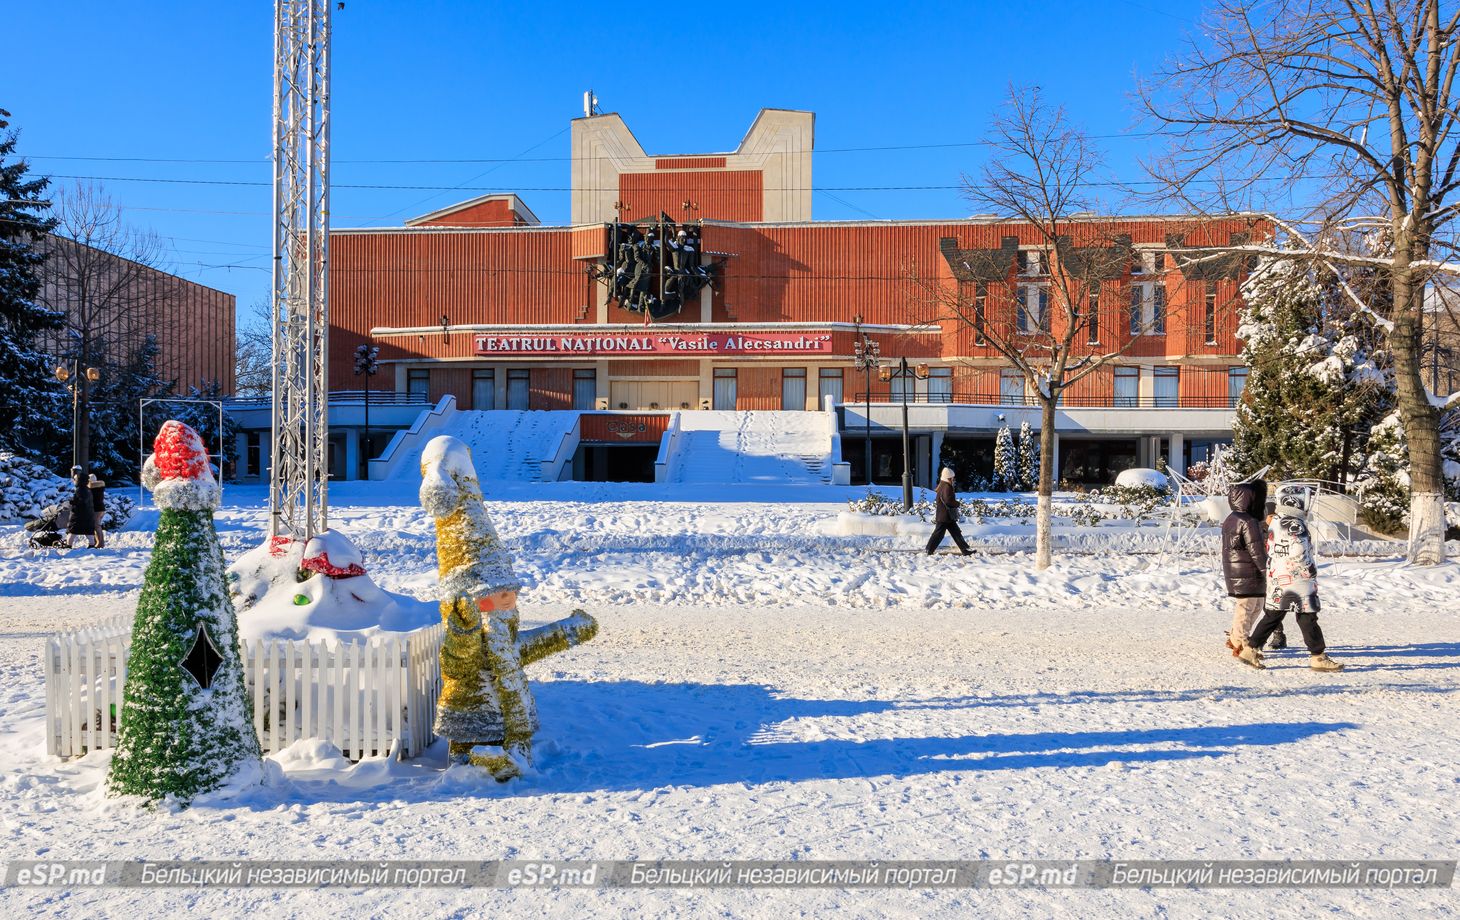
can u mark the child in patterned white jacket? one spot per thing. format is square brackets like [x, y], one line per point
[1292, 582]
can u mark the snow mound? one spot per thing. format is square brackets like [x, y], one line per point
[1136, 477]
[286, 589]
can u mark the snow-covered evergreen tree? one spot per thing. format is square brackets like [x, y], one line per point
[1006, 460]
[1028, 458]
[184, 727]
[1383, 486]
[30, 395]
[1314, 388]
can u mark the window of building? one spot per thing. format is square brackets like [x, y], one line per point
[829, 384]
[1166, 386]
[1236, 384]
[1011, 387]
[1127, 386]
[1092, 327]
[418, 382]
[940, 384]
[1033, 309]
[793, 389]
[1148, 308]
[724, 394]
[1031, 262]
[1148, 262]
[980, 307]
[1211, 312]
[585, 388]
[484, 388]
[519, 385]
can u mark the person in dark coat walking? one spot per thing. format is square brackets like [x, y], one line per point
[83, 520]
[97, 488]
[1244, 560]
[945, 516]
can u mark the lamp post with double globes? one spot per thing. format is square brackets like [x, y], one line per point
[905, 373]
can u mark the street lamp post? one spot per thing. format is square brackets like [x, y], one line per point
[906, 373]
[366, 363]
[79, 380]
[868, 356]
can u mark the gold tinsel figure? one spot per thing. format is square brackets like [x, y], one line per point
[486, 710]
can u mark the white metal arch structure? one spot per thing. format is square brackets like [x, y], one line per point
[298, 480]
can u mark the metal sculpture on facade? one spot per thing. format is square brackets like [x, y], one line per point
[655, 267]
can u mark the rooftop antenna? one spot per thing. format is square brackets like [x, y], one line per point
[590, 104]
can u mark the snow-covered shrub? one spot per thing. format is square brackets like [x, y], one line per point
[1028, 458]
[27, 489]
[1135, 503]
[1006, 461]
[1084, 514]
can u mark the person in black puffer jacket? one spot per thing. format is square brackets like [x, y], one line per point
[1244, 559]
[945, 516]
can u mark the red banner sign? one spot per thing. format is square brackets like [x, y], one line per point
[684, 344]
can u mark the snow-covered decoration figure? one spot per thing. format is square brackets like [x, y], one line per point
[486, 709]
[1028, 458]
[184, 727]
[1292, 574]
[1006, 460]
[319, 589]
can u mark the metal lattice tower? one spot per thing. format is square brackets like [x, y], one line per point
[299, 477]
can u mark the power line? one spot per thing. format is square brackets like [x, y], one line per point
[564, 188]
[264, 161]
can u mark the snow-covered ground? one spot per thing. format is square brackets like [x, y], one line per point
[762, 689]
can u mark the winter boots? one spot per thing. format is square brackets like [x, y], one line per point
[1321, 662]
[1250, 657]
[1278, 641]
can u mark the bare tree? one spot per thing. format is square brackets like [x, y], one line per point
[254, 358]
[1346, 111]
[1043, 312]
[100, 276]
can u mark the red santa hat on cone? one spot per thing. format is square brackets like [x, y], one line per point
[178, 472]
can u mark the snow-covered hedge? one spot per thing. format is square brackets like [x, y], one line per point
[27, 489]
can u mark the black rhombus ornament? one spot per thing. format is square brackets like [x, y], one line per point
[203, 659]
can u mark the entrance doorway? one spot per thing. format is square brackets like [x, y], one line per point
[653, 394]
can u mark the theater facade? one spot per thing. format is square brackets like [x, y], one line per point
[691, 283]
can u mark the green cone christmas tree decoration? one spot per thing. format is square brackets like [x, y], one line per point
[486, 710]
[184, 727]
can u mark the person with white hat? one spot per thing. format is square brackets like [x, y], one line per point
[945, 516]
[1292, 582]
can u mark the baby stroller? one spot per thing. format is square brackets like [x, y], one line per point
[49, 530]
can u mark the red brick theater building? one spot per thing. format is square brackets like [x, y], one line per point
[687, 284]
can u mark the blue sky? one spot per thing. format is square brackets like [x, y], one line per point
[91, 84]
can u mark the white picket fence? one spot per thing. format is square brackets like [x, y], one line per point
[364, 697]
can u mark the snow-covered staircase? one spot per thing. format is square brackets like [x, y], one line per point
[506, 445]
[741, 447]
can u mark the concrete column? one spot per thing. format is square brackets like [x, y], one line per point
[352, 454]
[937, 453]
[707, 382]
[1177, 458]
[265, 456]
[600, 298]
[499, 379]
[240, 450]
[707, 300]
[600, 371]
